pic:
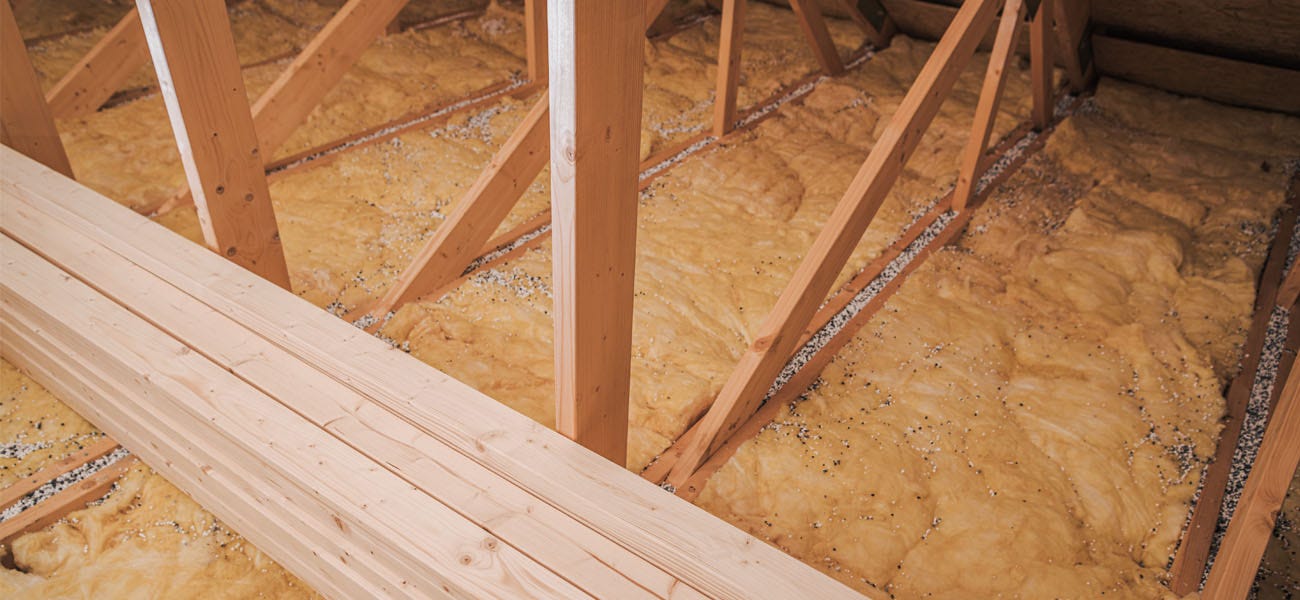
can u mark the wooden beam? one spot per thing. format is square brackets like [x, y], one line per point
[724, 103]
[595, 146]
[819, 37]
[319, 67]
[653, 10]
[102, 71]
[1251, 525]
[1041, 61]
[460, 238]
[1289, 292]
[871, 18]
[986, 111]
[704, 552]
[194, 55]
[25, 121]
[31, 483]
[73, 498]
[535, 39]
[798, 303]
[1072, 31]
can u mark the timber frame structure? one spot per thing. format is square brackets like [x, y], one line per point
[88, 278]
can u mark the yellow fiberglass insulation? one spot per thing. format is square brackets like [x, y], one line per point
[1030, 415]
[147, 539]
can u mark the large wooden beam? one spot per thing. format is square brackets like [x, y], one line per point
[102, 71]
[775, 341]
[460, 238]
[194, 55]
[1041, 60]
[25, 121]
[385, 388]
[724, 102]
[986, 111]
[595, 144]
[1251, 526]
[819, 37]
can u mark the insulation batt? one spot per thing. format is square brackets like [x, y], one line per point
[1030, 415]
[719, 236]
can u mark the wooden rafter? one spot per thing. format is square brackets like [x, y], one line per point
[194, 55]
[986, 111]
[535, 42]
[819, 37]
[1072, 18]
[102, 71]
[1041, 59]
[1251, 526]
[744, 391]
[871, 18]
[724, 103]
[25, 121]
[460, 238]
[595, 91]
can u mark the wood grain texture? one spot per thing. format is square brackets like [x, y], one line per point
[102, 71]
[25, 121]
[702, 551]
[724, 102]
[798, 303]
[1251, 526]
[595, 139]
[1074, 42]
[986, 110]
[1249, 30]
[193, 53]
[535, 39]
[819, 37]
[1220, 79]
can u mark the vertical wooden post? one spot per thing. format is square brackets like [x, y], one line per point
[1251, 526]
[1041, 61]
[776, 339]
[724, 103]
[25, 121]
[814, 28]
[986, 111]
[595, 88]
[102, 71]
[1072, 18]
[194, 54]
[535, 31]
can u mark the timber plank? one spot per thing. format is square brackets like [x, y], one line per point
[986, 110]
[25, 121]
[29, 484]
[102, 71]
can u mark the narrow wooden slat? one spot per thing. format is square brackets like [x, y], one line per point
[819, 37]
[986, 110]
[1042, 72]
[776, 339]
[459, 238]
[704, 552]
[102, 71]
[1237, 563]
[31, 483]
[1290, 290]
[535, 39]
[25, 121]
[724, 103]
[1194, 549]
[595, 145]
[194, 55]
[72, 498]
